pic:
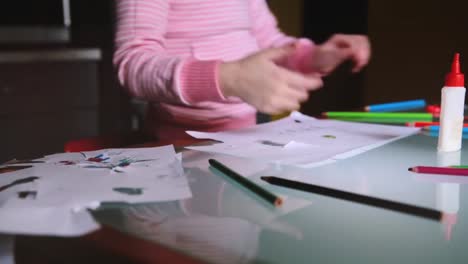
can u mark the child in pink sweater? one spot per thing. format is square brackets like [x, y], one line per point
[209, 65]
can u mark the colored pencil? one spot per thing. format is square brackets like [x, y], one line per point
[396, 106]
[363, 199]
[257, 189]
[440, 170]
[415, 116]
[460, 166]
[437, 128]
[399, 121]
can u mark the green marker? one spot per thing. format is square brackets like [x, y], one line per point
[381, 120]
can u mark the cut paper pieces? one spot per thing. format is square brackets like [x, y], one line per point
[301, 140]
[65, 186]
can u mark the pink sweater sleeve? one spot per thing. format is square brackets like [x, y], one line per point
[265, 29]
[146, 69]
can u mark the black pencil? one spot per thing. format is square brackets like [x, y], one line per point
[257, 189]
[363, 199]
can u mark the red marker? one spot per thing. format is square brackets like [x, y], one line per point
[426, 124]
[422, 124]
[435, 109]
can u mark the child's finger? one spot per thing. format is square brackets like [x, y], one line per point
[295, 79]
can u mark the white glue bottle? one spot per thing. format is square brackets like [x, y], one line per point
[452, 109]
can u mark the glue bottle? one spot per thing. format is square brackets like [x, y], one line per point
[452, 109]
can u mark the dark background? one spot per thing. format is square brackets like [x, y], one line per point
[412, 42]
[322, 19]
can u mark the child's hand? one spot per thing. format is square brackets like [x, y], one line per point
[339, 48]
[260, 82]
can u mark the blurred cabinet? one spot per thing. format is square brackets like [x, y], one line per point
[413, 46]
[318, 20]
[46, 98]
[289, 15]
[342, 90]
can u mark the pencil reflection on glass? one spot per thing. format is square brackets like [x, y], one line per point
[250, 185]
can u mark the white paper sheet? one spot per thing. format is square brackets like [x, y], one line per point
[66, 185]
[56, 221]
[302, 140]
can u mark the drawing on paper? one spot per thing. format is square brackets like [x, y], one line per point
[129, 191]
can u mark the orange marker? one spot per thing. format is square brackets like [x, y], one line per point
[425, 124]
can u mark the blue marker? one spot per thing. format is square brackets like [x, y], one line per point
[436, 129]
[436, 134]
[397, 106]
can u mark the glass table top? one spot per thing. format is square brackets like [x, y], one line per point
[225, 223]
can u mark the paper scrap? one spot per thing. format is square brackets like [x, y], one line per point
[53, 197]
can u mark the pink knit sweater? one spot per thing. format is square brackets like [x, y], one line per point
[168, 52]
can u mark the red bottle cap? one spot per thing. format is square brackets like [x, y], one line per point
[455, 77]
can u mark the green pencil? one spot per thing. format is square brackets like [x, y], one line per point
[257, 189]
[380, 120]
[460, 167]
[385, 115]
